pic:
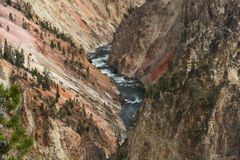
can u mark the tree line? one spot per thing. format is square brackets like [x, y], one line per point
[14, 56]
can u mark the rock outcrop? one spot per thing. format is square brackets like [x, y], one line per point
[192, 112]
[146, 40]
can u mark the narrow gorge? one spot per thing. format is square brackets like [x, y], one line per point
[119, 79]
[131, 91]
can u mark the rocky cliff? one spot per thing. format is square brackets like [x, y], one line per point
[89, 22]
[192, 110]
[146, 40]
[67, 106]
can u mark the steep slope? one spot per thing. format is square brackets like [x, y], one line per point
[89, 22]
[69, 107]
[146, 40]
[193, 111]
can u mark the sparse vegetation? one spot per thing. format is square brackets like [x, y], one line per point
[16, 140]
[13, 56]
[11, 96]
[163, 85]
[67, 109]
[45, 25]
[42, 79]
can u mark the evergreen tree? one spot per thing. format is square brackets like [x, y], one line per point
[1, 51]
[7, 51]
[88, 71]
[28, 10]
[81, 50]
[20, 59]
[11, 16]
[59, 46]
[63, 51]
[52, 44]
[11, 55]
[24, 25]
[46, 79]
[41, 35]
[57, 94]
[18, 5]
[8, 29]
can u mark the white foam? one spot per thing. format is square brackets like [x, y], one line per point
[100, 59]
[100, 64]
[136, 100]
[119, 79]
[133, 85]
[108, 72]
[105, 57]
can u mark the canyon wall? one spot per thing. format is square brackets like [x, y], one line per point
[192, 109]
[67, 106]
[146, 40]
[89, 22]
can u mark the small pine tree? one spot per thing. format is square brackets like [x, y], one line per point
[1, 51]
[24, 25]
[8, 29]
[59, 46]
[18, 5]
[20, 59]
[7, 51]
[57, 94]
[88, 71]
[41, 35]
[11, 17]
[63, 51]
[52, 44]
[28, 10]
[46, 79]
[81, 50]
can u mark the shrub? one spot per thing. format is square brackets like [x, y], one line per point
[18, 142]
[17, 135]
[164, 84]
[13, 122]
[25, 145]
[177, 80]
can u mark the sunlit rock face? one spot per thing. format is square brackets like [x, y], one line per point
[192, 110]
[89, 22]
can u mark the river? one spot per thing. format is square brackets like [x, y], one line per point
[131, 90]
